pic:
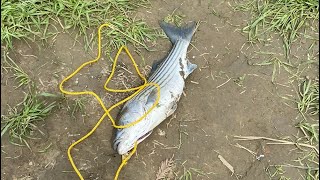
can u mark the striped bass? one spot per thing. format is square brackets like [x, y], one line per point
[170, 75]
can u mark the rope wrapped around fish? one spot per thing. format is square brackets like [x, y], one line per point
[170, 74]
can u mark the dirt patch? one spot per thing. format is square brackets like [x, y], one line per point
[215, 107]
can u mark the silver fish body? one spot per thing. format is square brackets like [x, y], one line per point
[170, 75]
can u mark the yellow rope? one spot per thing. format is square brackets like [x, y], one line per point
[124, 162]
[138, 89]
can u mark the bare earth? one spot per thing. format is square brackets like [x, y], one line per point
[214, 110]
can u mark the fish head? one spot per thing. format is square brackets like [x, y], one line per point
[126, 138]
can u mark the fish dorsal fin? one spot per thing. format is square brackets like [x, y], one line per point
[155, 65]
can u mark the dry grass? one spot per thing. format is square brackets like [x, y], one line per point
[166, 169]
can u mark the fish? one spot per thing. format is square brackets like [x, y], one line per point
[170, 74]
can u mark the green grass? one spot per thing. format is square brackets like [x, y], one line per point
[240, 80]
[175, 18]
[36, 19]
[78, 106]
[286, 17]
[21, 77]
[275, 171]
[308, 102]
[22, 119]
[277, 64]
[291, 20]
[311, 131]
[308, 161]
[312, 174]
[125, 30]
[188, 173]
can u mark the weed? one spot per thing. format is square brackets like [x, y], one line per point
[19, 74]
[78, 106]
[45, 149]
[275, 171]
[175, 18]
[309, 161]
[239, 81]
[312, 174]
[214, 12]
[307, 100]
[309, 97]
[188, 173]
[286, 17]
[277, 64]
[20, 121]
[284, 178]
[311, 131]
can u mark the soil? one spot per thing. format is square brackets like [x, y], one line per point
[217, 105]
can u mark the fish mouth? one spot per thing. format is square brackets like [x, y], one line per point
[143, 137]
[118, 145]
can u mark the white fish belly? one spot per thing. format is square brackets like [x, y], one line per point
[169, 97]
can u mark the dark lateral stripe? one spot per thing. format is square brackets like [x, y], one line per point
[176, 51]
[164, 63]
[167, 67]
[165, 72]
[162, 77]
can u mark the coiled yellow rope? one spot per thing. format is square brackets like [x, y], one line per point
[138, 89]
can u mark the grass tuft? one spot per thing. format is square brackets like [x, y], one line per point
[126, 30]
[78, 106]
[275, 171]
[286, 17]
[22, 119]
[311, 131]
[309, 97]
[188, 173]
[277, 64]
[175, 18]
[19, 74]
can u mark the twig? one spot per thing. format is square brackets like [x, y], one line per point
[242, 147]
[283, 142]
[126, 70]
[223, 83]
[299, 167]
[194, 82]
[226, 164]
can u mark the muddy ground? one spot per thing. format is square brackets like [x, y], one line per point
[217, 106]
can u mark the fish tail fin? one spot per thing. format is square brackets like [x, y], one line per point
[174, 33]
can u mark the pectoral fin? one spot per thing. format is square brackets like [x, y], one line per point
[151, 98]
[190, 68]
